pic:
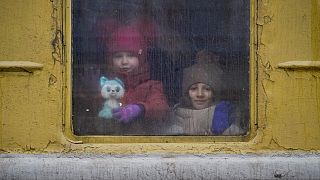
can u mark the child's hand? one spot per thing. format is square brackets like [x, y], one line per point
[128, 113]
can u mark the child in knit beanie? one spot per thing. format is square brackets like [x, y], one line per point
[199, 112]
[205, 73]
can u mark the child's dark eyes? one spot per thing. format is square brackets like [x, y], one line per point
[207, 88]
[130, 55]
[117, 56]
[194, 88]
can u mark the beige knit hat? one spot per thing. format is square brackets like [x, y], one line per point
[206, 70]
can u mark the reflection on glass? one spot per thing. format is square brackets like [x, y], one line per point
[158, 67]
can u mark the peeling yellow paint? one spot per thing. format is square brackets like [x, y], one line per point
[285, 102]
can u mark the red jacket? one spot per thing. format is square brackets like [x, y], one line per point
[149, 93]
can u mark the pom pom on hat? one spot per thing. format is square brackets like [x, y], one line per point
[206, 57]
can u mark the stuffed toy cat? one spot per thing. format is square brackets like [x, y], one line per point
[112, 90]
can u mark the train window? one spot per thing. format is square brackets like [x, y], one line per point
[142, 67]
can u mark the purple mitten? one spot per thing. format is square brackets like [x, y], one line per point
[128, 113]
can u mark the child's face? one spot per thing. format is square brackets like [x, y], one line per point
[200, 95]
[125, 61]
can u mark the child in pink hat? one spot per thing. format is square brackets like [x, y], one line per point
[143, 98]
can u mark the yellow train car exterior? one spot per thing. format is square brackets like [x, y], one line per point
[284, 82]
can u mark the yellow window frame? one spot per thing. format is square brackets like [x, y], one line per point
[67, 95]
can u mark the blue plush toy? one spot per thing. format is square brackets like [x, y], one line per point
[112, 90]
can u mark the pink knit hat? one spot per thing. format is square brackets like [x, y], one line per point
[127, 38]
[133, 37]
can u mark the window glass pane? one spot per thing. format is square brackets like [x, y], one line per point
[160, 67]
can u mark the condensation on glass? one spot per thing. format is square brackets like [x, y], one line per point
[158, 67]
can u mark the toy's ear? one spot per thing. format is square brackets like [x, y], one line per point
[119, 81]
[103, 80]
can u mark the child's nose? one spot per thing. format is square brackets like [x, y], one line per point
[199, 93]
[124, 60]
